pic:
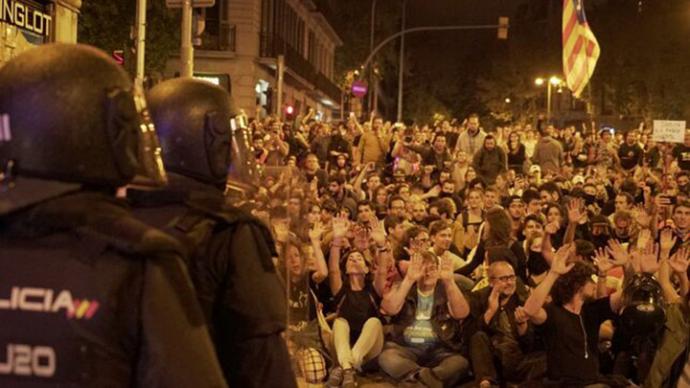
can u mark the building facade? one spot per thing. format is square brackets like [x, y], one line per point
[27, 23]
[241, 42]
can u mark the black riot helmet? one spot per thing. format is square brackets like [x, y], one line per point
[644, 312]
[202, 136]
[69, 115]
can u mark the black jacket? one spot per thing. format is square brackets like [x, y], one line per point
[230, 261]
[99, 299]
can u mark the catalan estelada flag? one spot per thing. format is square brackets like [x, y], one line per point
[580, 47]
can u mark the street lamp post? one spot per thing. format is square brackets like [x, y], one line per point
[401, 65]
[553, 81]
[372, 85]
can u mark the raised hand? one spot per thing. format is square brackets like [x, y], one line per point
[559, 264]
[378, 233]
[643, 218]
[643, 238]
[415, 270]
[667, 240]
[574, 210]
[618, 252]
[552, 228]
[316, 232]
[281, 231]
[645, 260]
[446, 267]
[340, 225]
[679, 261]
[494, 298]
[601, 259]
[434, 191]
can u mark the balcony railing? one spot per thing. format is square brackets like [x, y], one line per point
[272, 46]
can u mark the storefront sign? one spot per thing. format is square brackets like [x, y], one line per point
[25, 16]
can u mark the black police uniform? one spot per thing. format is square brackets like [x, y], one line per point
[230, 253]
[89, 296]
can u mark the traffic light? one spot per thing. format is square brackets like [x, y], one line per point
[289, 113]
[503, 27]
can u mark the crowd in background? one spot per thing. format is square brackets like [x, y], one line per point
[445, 254]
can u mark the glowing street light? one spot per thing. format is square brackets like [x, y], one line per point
[553, 81]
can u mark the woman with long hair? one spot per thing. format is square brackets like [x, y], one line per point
[357, 329]
[516, 153]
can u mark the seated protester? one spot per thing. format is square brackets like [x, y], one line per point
[448, 191]
[491, 198]
[516, 211]
[532, 199]
[357, 329]
[440, 233]
[380, 198]
[550, 192]
[425, 308]
[555, 224]
[303, 277]
[446, 209]
[623, 228]
[340, 194]
[395, 231]
[396, 206]
[505, 336]
[312, 171]
[526, 248]
[571, 321]
[671, 365]
[681, 224]
[419, 213]
[468, 221]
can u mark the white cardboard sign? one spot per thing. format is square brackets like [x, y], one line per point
[669, 131]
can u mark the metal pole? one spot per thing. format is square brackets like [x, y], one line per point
[186, 48]
[548, 102]
[141, 41]
[401, 65]
[281, 70]
[372, 101]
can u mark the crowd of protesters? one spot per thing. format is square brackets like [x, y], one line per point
[445, 254]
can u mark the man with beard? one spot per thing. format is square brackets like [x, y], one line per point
[425, 308]
[630, 153]
[437, 155]
[472, 139]
[490, 160]
[339, 145]
[419, 213]
[571, 321]
[516, 211]
[505, 335]
[681, 223]
[448, 191]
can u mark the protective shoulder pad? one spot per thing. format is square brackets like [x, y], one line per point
[233, 217]
[131, 236]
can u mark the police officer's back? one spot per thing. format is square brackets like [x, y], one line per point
[89, 297]
[230, 252]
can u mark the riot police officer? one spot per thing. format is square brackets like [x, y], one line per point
[90, 296]
[230, 252]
